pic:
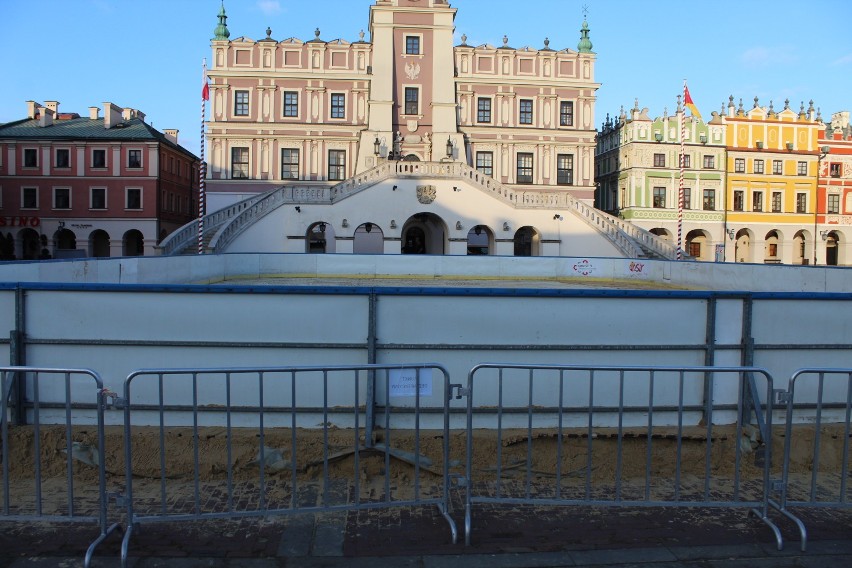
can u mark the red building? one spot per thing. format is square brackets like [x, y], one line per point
[835, 188]
[97, 186]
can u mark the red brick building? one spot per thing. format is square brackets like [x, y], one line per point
[96, 186]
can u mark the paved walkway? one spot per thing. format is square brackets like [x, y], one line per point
[506, 537]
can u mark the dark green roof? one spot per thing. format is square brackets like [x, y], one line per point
[81, 129]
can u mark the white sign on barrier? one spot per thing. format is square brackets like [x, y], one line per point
[403, 382]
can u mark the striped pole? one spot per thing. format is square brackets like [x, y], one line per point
[680, 114]
[202, 171]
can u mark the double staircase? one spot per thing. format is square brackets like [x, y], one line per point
[220, 228]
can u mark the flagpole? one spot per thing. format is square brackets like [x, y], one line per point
[680, 115]
[202, 170]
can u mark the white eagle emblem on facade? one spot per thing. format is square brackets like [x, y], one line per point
[426, 194]
[412, 70]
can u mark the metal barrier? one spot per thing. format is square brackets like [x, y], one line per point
[569, 437]
[28, 497]
[280, 450]
[819, 441]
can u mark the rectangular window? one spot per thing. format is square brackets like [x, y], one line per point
[485, 162]
[801, 203]
[834, 170]
[565, 169]
[98, 158]
[338, 105]
[134, 158]
[412, 100]
[29, 198]
[566, 113]
[239, 163]
[133, 198]
[291, 104]
[802, 169]
[241, 103]
[526, 112]
[336, 164]
[687, 198]
[63, 158]
[773, 249]
[62, 198]
[738, 200]
[758, 167]
[709, 162]
[757, 201]
[659, 197]
[695, 249]
[777, 167]
[30, 158]
[833, 204]
[739, 165]
[659, 160]
[483, 110]
[525, 168]
[412, 45]
[687, 162]
[776, 202]
[289, 163]
[709, 201]
[97, 198]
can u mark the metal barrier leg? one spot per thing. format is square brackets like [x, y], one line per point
[454, 532]
[125, 544]
[803, 531]
[779, 540]
[90, 552]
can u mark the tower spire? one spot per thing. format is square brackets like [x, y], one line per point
[221, 30]
[585, 45]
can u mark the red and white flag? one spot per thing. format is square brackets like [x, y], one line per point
[205, 88]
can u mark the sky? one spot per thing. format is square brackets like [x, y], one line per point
[148, 55]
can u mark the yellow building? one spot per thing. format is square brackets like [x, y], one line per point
[772, 163]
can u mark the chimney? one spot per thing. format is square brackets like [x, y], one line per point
[112, 115]
[139, 114]
[54, 106]
[32, 109]
[171, 134]
[46, 117]
[93, 113]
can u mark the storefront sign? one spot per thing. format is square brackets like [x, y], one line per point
[20, 221]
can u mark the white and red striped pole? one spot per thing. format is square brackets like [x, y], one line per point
[202, 170]
[680, 114]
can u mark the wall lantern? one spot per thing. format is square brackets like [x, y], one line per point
[344, 224]
[449, 147]
[377, 146]
[368, 227]
[731, 234]
[824, 235]
[658, 136]
[505, 225]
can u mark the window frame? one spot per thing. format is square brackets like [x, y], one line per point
[739, 165]
[566, 113]
[801, 202]
[832, 199]
[130, 152]
[242, 151]
[738, 202]
[337, 106]
[409, 38]
[802, 168]
[339, 172]
[687, 198]
[35, 193]
[758, 167]
[658, 197]
[777, 167]
[708, 196]
[835, 169]
[483, 112]
[293, 105]
[92, 198]
[709, 162]
[61, 191]
[135, 191]
[524, 162]
[242, 108]
[97, 152]
[525, 112]
[757, 201]
[481, 166]
[411, 104]
[67, 153]
[687, 160]
[30, 152]
[777, 202]
[659, 160]
[292, 152]
[560, 171]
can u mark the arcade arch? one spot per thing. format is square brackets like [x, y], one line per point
[480, 240]
[527, 241]
[368, 239]
[424, 233]
[133, 243]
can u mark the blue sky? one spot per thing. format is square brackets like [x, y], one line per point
[148, 55]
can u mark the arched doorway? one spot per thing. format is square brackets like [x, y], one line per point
[133, 243]
[411, 158]
[698, 245]
[832, 248]
[30, 244]
[424, 233]
[772, 248]
[99, 243]
[799, 243]
[742, 246]
[526, 242]
[320, 238]
[479, 240]
[7, 246]
[368, 239]
[64, 239]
